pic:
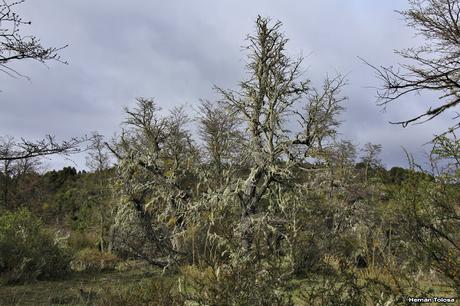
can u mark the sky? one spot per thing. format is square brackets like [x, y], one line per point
[175, 51]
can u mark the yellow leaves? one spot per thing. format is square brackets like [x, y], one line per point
[169, 174]
[172, 221]
[45, 206]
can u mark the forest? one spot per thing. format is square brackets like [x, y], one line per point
[255, 199]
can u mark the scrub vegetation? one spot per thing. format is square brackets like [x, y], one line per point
[252, 200]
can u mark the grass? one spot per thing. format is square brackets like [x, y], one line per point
[67, 291]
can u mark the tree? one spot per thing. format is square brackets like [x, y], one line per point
[98, 160]
[156, 157]
[427, 206]
[370, 158]
[428, 215]
[12, 171]
[268, 99]
[219, 129]
[14, 46]
[434, 66]
[26, 149]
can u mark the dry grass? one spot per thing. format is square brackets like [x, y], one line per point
[67, 291]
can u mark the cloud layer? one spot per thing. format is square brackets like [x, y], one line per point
[176, 51]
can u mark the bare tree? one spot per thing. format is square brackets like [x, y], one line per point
[219, 129]
[43, 147]
[434, 66]
[6, 146]
[12, 170]
[14, 46]
[370, 158]
[98, 158]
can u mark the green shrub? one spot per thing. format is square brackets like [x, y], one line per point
[94, 260]
[28, 251]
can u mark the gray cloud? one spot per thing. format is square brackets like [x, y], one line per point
[175, 51]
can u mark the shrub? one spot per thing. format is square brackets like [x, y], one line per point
[28, 251]
[247, 283]
[94, 260]
[80, 240]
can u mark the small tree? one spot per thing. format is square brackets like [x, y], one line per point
[12, 173]
[370, 158]
[156, 157]
[98, 160]
[219, 129]
[28, 251]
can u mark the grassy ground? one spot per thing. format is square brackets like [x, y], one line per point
[67, 291]
[79, 288]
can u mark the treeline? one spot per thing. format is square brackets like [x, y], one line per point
[60, 198]
[65, 197]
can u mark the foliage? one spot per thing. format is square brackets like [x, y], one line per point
[271, 207]
[428, 213]
[92, 260]
[240, 283]
[79, 240]
[28, 251]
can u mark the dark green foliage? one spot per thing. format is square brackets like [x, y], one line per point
[427, 216]
[28, 251]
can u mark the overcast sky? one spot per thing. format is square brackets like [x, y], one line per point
[175, 51]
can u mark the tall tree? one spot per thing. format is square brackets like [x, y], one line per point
[273, 95]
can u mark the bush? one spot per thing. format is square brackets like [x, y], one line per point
[28, 251]
[94, 260]
[80, 240]
[247, 283]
